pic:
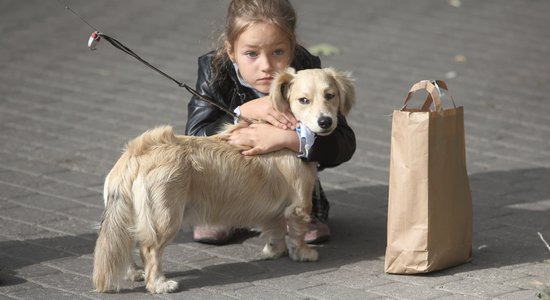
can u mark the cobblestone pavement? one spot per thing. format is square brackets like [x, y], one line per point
[66, 112]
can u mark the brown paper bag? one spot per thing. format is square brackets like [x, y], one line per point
[430, 205]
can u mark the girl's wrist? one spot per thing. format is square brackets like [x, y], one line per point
[292, 141]
[250, 109]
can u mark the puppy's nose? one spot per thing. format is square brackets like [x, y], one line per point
[324, 122]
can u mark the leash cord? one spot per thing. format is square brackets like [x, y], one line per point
[117, 44]
[120, 46]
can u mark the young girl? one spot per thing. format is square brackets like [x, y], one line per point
[259, 41]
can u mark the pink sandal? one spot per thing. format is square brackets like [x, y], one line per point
[214, 235]
[318, 232]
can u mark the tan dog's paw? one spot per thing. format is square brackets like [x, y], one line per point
[273, 251]
[138, 275]
[135, 274]
[303, 253]
[162, 286]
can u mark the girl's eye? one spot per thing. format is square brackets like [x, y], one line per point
[329, 96]
[251, 54]
[279, 52]
[303, 100]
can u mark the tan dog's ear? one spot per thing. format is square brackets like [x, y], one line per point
[344, 81]
[279, 90]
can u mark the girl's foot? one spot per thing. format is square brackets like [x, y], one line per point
[318, 232]
[215, 235]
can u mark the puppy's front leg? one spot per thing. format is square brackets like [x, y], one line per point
[297, 228]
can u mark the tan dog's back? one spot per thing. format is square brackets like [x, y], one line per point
[214, 181]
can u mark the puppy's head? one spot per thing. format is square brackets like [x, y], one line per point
[314, 96]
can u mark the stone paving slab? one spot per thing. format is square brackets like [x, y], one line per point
[66, 112]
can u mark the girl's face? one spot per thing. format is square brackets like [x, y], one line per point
[260, 51]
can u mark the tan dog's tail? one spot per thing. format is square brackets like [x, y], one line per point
[115, 242]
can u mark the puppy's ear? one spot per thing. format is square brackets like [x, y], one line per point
[344, 81]
[279, 90]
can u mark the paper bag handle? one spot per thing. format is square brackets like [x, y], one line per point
[434, 92]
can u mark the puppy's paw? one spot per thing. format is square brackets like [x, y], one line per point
[272, 251]
[163, 286]
[135, 275]
[304, 253]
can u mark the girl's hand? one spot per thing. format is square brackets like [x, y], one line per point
[261, 109]
[264, 138]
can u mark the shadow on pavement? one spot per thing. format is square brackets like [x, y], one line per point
[510, 207]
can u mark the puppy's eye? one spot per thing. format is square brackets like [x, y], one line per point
[303, 100]
[329, 96]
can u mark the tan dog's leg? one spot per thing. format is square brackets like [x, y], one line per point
[298, 250]
[152, 260]
[156, 282]
[166, 217]
[275, 234]
[134, 273]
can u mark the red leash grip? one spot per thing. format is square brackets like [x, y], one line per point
[94, 40]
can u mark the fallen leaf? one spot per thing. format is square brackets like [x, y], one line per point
[455, 3]
[460, 58]
[544, 294]
[324, 50]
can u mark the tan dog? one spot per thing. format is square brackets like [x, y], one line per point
[163, 180]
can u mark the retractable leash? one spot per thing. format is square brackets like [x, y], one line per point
[96, 36]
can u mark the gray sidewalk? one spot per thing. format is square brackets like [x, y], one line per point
[66, 112]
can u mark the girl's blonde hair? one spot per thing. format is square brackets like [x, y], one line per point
[241, 14]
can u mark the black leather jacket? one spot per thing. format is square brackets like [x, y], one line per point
[204, 119]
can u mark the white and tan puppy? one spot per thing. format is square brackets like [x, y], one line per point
[163, 180]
